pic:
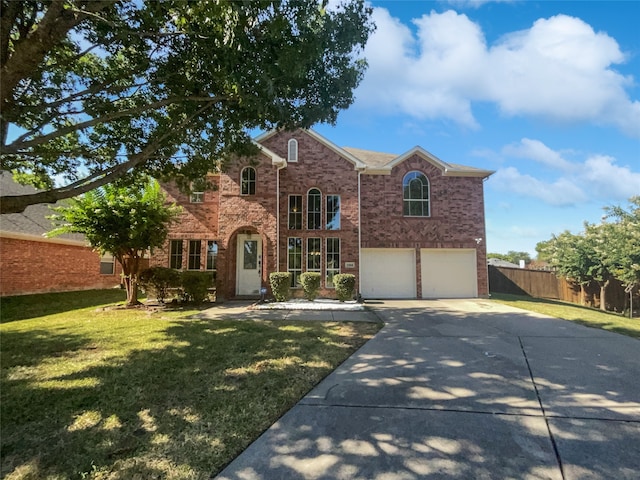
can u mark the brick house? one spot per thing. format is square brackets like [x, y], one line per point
[408, 226]
[33, 263]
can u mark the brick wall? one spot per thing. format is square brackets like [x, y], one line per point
[35, 266]
[457, 214]
[318, 167]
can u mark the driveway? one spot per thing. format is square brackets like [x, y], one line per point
[466, 389]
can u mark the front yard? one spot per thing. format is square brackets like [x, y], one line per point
[97, 393]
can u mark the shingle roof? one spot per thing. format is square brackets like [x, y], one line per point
[369, 157]
[33, 221]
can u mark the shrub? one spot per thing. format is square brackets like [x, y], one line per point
[196, 285]
[310, 282]
[345, 284]
[280, 285]
[159, 280]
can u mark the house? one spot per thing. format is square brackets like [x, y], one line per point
[33, 263]
[408, 226]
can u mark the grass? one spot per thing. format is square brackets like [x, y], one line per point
[98, 393]
[583, 315]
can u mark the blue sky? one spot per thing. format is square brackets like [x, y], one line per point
[545, 93]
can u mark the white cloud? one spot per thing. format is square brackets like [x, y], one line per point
[559, 69]
[562, 192]
[539, 152]
[598, 178]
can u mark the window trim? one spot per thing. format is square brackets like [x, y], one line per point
[299, 271]
[196, 196]
[177, 255]
[194, 256]
[297, 213]
[318, 213]
[214, 257]
[308, 253]
[248, 182]
[338, 213]
[292, 150]
[107, 259]
[335, 271]
[406, 182]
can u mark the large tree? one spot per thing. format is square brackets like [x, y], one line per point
[91, 91]
[127, 221]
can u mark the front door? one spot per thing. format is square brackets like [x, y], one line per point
[249, 265]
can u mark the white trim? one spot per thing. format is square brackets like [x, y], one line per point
[321, 218]
[292, 150]
[37, 238]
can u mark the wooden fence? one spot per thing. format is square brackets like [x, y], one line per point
[542, 284]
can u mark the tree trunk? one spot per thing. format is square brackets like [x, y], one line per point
[130, 267]
[582, 294]
[603, 296]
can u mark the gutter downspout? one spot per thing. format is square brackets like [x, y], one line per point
[359, 233]
[278, 168]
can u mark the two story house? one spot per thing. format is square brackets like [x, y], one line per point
[407, 226]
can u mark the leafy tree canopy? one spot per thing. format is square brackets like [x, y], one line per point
[124, 220]
[511, 256]
[92, 91]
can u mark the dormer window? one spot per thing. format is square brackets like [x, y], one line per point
[292, 155]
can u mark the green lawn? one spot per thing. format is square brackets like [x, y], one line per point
[575, 313]
[88, 392]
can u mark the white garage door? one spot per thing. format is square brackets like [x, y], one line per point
[448, 273]
[388, 273]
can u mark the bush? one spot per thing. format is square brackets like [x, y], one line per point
[310, 282]
[159, 280]
[345, 284]
[280, 285]
[196, 285]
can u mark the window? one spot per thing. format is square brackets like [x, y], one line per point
[295, 212]
[313, 255]
[194, 254]
[292, 150]
[107, 264]
[314, 213]
[294, 260]
[212, 254]
[415, 188]
[333, 260]
[197, 191]
[333, 212]
[175, 254]
[248, 181]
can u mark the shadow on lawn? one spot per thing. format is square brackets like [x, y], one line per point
[40, 305]
[174, 411]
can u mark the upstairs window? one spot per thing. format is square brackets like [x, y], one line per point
[292, 150]
[415, 187]
[248, 181]
[197, 191]
[333, 212]
[314, 213]
[295, 212]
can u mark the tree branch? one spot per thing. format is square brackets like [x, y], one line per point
[18, 203]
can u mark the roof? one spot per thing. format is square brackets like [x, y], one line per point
[33, 222]
[379, 163]
[498, 262]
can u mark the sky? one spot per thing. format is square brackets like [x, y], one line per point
[545, 93]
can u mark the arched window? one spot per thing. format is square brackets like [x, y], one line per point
[248, 181]
[314, 209]
[292, 153]
[415, 187]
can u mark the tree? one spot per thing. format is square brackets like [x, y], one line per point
[126, 221]
[511, 256]
[93, 91]
[619, 243]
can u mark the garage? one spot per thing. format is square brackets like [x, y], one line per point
[388, 273]
[449, 273]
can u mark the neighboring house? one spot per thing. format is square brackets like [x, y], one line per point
[498, 262]
[408, 226]
[32, 263]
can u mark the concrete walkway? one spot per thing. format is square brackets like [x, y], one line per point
[465, 389]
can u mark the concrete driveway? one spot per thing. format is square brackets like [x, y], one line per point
[466, 389]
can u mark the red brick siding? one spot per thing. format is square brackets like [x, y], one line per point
[318, 167]
[457, 215]
[30, 266]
